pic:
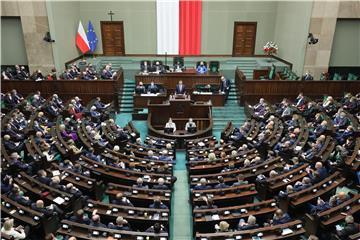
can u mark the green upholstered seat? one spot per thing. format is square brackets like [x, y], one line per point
[337, 76]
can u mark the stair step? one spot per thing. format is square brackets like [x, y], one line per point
[127, 97]
[126, 105]
[127, 101]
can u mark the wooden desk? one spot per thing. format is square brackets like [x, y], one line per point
[180, 110]
[13, 211]
[83, 231]
[269, 232]
[275, 90]
[138, 218]
[261, 210]
[189, 78]
[217, 99]
[66, 89]
[141, 100]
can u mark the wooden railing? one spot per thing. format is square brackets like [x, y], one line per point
[86, 90]
[275, 90]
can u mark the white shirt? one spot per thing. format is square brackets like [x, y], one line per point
[189, 124]
[15, 234]
[171, 125]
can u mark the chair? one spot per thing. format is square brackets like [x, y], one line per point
[214, 66]
[198, 63]
[142, 63]
[352, 77]
[272, 72]
[178, 59]
[160, 62]
[337, 76]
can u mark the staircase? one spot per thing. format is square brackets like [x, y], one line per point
[126, 101]
[230, 112]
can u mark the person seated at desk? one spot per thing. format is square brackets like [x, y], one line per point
[152, 88]
[280, 217]
[158, 204]
[202, 185]
[201, 68]
[15, 233]
[158, 68]
[190, 126]
[180, 88]
[139, 184]
[350, 228]
[140, 88]
[170, 126]
[161, 185]
[122, 200]
[96, 221]
[145, 67]
[178, 67]
[80, 217]
[223, 226]
[121, 224]
[250, 224]
[157, 228]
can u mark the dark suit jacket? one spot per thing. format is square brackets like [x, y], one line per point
[153, 89]
[225, 85]
[178, 90]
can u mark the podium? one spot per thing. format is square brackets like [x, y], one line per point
[180, 108]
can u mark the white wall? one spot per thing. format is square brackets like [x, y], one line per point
[291, 31]
[346, 45]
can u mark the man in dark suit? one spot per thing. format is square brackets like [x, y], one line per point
[9, 101]
[152, 88]
[202, 185]
[158, 204]
[225, 86]
[350, 228]
[24, 73]
[100, 106]
[221, 184]
[140, 88]
[307, 76]
[145, 66]
[16, 96]
[319, 173]
[161, 185]
[157, 67]
[180, 88]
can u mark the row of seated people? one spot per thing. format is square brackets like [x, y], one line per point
[73, 72]
[181, 89]
[51, 170]
[158, 67]
[294, 158]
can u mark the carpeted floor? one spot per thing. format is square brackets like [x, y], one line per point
[181, 212]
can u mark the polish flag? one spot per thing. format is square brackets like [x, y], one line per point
[81, 39]
[179, 26]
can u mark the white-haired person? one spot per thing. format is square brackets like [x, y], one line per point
[140, 184]
[15, 233]
[161, 185]
[250, 224]
[223, 226]
[202, 185]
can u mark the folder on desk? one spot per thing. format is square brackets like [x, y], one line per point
[59, 200]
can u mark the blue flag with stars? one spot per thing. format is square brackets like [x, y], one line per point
[91, 36]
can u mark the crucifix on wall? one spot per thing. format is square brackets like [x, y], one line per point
[111, 14]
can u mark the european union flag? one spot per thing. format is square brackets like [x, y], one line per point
[91, 36]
